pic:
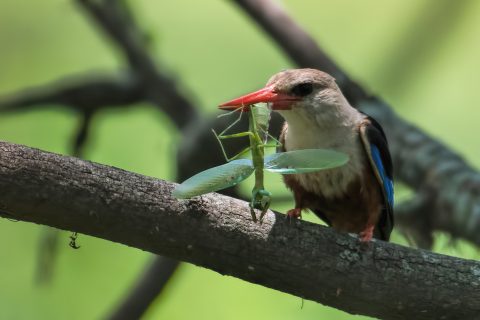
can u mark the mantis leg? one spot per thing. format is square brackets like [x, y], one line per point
[278, 143]
[247, 149]
[222, 136]
[233, 123]
[268, 145]
[252, 212]
[261, 199]
[274, 139]
[236, 135]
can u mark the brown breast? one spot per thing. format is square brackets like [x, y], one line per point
[349, 211]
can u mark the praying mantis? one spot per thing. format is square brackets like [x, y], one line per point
[259, 118]
[237, 170]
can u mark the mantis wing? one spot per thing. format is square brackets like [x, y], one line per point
[304, 161]
[214, 179]
[261, 116]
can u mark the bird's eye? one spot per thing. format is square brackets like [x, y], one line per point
[302, 89]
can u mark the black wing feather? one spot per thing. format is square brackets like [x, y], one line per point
[377, 137]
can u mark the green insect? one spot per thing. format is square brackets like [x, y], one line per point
[259, 118]
[237, 170]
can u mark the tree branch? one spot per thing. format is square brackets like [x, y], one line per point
[420, 161]
[214, 231]
[84, 93]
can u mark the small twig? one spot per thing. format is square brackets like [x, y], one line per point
[82, 134]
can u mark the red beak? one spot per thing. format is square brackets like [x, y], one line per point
[279, 101]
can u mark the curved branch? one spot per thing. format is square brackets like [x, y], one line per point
[214, 231]
[82, 134]
[85, 93]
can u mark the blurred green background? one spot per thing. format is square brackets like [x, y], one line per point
[421, 56]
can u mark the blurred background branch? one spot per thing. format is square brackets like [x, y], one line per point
[115, 19]
[429, 30]
[147, 288]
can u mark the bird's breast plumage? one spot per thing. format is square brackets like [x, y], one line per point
[332, 183]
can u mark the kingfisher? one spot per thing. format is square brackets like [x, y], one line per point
[356, 197]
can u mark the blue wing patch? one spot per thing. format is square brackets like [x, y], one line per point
[376, 146]
[386, 181]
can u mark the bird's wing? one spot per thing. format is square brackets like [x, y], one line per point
[376, 147]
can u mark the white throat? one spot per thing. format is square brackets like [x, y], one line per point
[335, 128]
[321, 127]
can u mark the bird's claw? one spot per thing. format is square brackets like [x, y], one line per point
[294, 214]
[367, 234]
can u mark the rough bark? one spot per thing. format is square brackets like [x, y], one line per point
[214, 231]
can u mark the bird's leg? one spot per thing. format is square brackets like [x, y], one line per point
[367, 234]
[294, 213]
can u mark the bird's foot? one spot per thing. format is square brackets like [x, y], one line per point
[294, 214]
[367, 234]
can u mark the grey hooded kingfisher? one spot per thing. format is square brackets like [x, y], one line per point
[356, 197]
